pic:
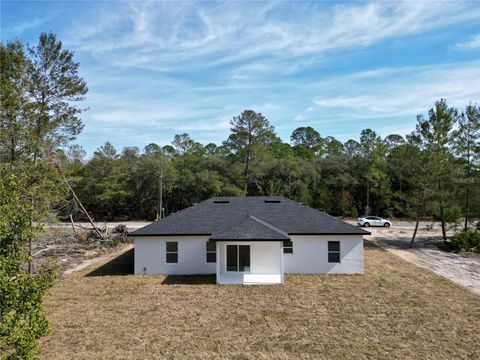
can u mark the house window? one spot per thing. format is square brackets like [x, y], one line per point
[238, 258]
[287, 247]
[211, 252]
[171, 251]
[334, 251]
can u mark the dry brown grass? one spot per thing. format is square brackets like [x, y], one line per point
[396, 310]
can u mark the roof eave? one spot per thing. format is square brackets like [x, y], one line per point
[169, 234]
[331, 233]
[286, 239]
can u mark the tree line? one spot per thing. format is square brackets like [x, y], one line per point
[431, 172]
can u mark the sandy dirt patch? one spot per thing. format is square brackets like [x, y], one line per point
[463, 269]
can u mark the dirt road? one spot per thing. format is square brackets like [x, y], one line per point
[463, 269]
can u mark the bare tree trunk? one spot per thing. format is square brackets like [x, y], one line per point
[12, 150]
[415, 231]
[367, 207]
[467, 208]
[442, 218]
[73, 224]
[161, 192]
[83, 209]
[30, 237]
[247, 165]
[289, 183]
[467, 202]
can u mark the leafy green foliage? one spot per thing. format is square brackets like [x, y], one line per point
[464, 241]
[22, 321]
[40, 93]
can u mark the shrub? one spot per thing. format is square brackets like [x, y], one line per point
[464, 241]
[22, 320]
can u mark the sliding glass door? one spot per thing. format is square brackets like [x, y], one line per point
[238, 258]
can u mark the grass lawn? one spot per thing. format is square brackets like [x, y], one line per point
[396, 310]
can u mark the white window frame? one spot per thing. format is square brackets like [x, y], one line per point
[210, 252]
[171, 252]
[335, 252]
[238, 259]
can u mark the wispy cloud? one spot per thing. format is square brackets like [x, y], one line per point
[472, 43]
[163, 36]
[389, 98]
[157, 68]
[30, 24]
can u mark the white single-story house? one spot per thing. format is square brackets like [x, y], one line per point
[249, 240]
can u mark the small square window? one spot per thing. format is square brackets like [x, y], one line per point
[211, 246]
[334, 257]
[211, 257]
[287, 247]
[171, 252]
[211, 252]
[172, 246]
[334, 246]
[334, 251]
[172, 258]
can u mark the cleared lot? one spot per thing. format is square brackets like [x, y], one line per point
[396, 310]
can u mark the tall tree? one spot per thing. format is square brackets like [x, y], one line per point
[182, 143]
[436, 135]
[250, 133]
[307, 142]
[13, 100]
[332, 146]
[372, 152]
[467, 147]
[56, 89]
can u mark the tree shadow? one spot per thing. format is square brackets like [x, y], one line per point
[120, 266]
[189, 280]
[368, 244]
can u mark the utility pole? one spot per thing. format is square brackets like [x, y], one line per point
[160, 192]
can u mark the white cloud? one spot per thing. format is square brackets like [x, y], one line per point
[161, 68]
[164, 36]
[472, 43]
[27, 25]
[393, 93]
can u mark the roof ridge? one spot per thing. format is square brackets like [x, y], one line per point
[244, 222]
[268, 225]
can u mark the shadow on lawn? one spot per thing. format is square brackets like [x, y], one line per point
[123, 265]
[119, 266]
[367, 244]
[189, 280]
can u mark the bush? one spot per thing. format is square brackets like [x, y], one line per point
[464, 241]
[22, 320]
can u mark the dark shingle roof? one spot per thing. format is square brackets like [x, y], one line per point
[251, 217]
[251, 228]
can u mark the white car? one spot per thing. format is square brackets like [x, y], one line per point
[373, 221]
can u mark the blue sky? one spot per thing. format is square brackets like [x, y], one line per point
[155, 69]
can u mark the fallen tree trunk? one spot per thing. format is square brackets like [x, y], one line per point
[83, 208]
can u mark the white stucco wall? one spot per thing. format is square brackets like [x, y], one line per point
[265, 263]
[150, 254]
[310, 255]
